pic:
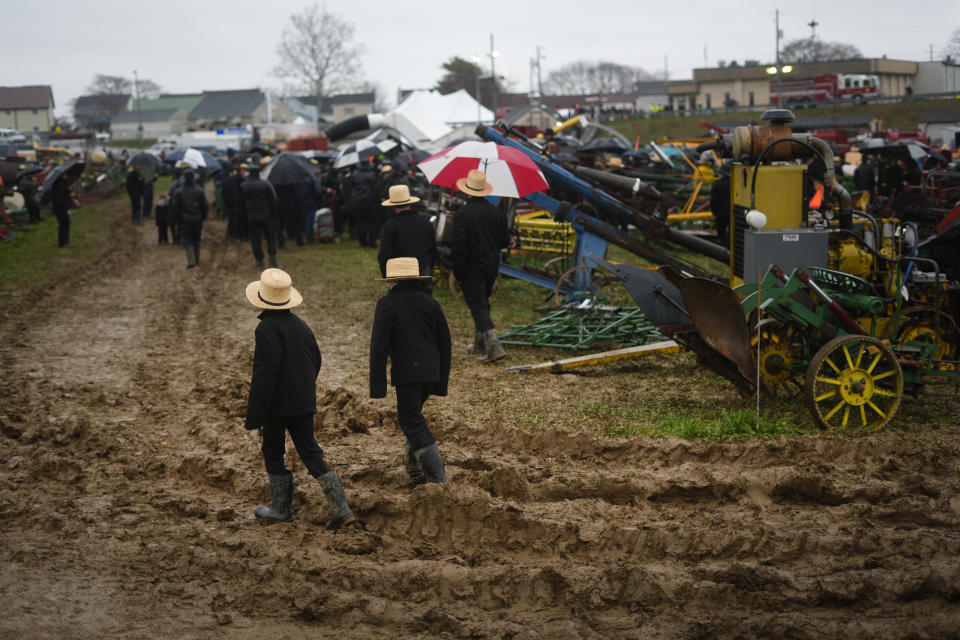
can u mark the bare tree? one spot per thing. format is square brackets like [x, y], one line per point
[816, 50]
[317, 54]
[951, 51]
[106, 85]
[602, 77]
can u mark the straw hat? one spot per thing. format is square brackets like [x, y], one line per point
[403, 269]
[475, 184]
[399, 197]
[385, 169]
[273, 291]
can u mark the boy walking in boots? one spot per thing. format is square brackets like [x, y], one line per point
[283, 397]
[409, 326]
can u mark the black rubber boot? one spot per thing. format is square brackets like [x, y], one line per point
[191, 257]
[333, 490]
[281, 494]
[494, 348]
[412, 465]
[432, 463]
[273, 260]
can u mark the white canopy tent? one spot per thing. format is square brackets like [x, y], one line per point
[430, 121]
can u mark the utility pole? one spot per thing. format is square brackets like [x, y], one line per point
[476, 84]
[813, 28]
[493, 77]
[540, 57]
[779, 66]
[136, 88]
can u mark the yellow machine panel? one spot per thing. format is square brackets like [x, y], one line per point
[779, 193]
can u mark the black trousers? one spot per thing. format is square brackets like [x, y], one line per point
[233, 223]
[476, 288]
[258, 229]
[410, 399]
[63, 225]
[162, 236]
[190, 234]
[135, 206]
[33, 207]
[301, 432]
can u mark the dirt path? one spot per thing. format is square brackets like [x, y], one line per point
[127, 486]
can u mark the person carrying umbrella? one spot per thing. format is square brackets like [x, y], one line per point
[61, 201]
[134, 186]
[364, 213]
[480, 233]
[190, 205]
[260, 201]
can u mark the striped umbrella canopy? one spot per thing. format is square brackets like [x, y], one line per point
[511, 172]
[351, 154]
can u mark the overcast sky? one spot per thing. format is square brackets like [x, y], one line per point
[190, 46]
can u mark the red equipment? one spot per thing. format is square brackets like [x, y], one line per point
[829, 86]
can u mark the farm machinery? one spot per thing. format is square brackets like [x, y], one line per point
[846, 310]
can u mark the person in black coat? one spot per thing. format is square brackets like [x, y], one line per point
[407, 234]
[28, 189]
[410, 328]
[61, 200]
[283, 396]
[260, 202]
[362, 203]
[134, 186]
[480, 233]
[864, 176]
[190, 206]
[231, 203]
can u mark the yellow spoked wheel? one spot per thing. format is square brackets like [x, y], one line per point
[920, 324]
[854, 382]
[783, 349]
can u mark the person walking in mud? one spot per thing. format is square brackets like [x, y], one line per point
[134, 186]
[480, 232]
[407, 234]
[260, 202]
[190, 205]
[283, 397]
[410, 328]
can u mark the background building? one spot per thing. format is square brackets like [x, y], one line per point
[28, 109]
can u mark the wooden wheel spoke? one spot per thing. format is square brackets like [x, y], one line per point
[832, 366]
[876, 408]
[846, 417]
[875, 362]
[824, 396]
[860, 350]
[885, 374]
[834, 410]
[863, 415]
[828, 380]
[846, 356]
[884, 392]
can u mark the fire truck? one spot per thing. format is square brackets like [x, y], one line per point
[803, 92]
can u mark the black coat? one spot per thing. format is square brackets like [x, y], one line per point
[410, 328]
[190, 203]
[286, 362]
[408, 235]
[134, 183]
[61, 198]
[480, 232]
[231, 193]
[363, 193]
[260, 200]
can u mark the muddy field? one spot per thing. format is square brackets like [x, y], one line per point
[127, 486]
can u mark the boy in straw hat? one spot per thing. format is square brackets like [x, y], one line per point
[409, 326]
[480, 232]
[283, 397]
[407, 234]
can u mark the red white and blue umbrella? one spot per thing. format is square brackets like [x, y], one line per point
[511, 172]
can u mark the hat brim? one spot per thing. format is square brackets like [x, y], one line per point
[391, 203]
[253, 296]
[402, 278]
[462, 186]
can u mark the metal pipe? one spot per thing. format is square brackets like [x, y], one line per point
[607, 203]
[621, 183]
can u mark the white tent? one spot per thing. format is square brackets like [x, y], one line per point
[430, 120]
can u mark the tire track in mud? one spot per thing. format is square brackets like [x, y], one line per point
[126, 464]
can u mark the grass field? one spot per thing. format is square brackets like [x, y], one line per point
[894, 115]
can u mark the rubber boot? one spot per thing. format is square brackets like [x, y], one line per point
[412, 465]
[477, 347]
[333, 490]
[281, 494]
[273, 260]
[191, 257]
[432, 463]
[494, 348]
[196, 255]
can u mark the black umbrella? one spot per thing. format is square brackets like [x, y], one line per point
[565, 157]
[612, 145]
[144, 159]
[73, 168]
[29, 171]
[288, 168]
[568, 141]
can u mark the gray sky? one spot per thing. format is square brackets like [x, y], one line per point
[189, 46]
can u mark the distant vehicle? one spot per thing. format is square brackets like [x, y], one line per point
[11, 136]
[103, 135]
[797, 93]
[161, 148]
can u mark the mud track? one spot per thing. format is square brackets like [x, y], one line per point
[127, 486]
